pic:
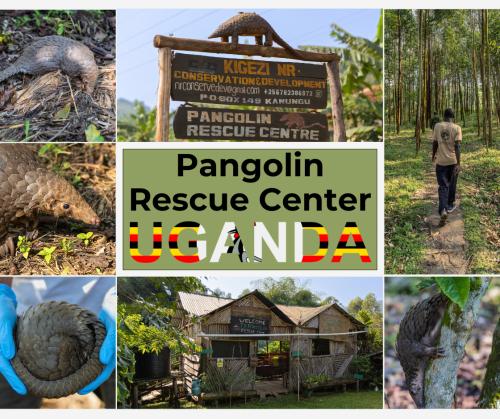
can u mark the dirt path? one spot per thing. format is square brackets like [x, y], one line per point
[445, 253]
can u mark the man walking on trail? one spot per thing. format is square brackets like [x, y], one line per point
[447, 137]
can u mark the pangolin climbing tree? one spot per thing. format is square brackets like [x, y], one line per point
[465, 296]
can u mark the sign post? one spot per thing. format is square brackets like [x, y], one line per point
[163, 102]
[333, 71]
[166, 44]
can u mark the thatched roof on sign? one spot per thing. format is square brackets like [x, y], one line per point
[200, 305]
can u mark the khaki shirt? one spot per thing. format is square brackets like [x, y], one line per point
[447, 134]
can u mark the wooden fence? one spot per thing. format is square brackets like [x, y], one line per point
[234, 374]
[331, 366]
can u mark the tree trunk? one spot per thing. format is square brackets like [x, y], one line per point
[474, 75]
[399, 83]
[441, 374]
[333, 71]
[490, 396]
[419, 85]
[428, 83]
[461, 98]
[483, 78]
[487, 73]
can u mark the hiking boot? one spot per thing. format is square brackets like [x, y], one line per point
[444, 215]
[451, 208]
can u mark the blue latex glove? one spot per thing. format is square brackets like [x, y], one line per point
[107, 354]
[8, 317]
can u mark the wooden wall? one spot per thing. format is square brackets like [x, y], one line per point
[250, 306]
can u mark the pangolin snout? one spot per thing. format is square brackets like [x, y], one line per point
[92, 219]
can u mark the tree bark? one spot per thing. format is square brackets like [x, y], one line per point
[441, 374]
[163, 98]
[483, 78]
[474, 75]
[490, 396]
[333, 71]
[400, 77]
[487, 72]
[419, 85]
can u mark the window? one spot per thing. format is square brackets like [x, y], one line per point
[230, 349]
[321, 347]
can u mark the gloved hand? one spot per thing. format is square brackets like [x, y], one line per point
[8, 317]
[107, 354]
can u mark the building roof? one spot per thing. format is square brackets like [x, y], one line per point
[300, 315]
[200, 305]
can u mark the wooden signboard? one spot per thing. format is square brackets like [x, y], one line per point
[244, 325]
[230, 81]
[197, 123]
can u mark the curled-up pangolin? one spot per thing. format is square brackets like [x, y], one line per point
[52, 53]
[58, 346]
[416, 342]
[250, 24]
[28, 189]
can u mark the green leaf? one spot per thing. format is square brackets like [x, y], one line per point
[425, 283]
[24, 246]
[85, 237]
[93, 135]
[63, 113]
[47, 252]
[455, 288]
[26, 128]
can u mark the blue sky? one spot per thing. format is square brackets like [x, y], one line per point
[342, 288]
[137, 58]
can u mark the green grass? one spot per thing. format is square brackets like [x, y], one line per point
[347, 400]
[478, 188]
[404, 213]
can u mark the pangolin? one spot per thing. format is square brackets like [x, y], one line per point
[52, 53]
[27, 189]
[416, 342]
[250, 24]
[58, 346]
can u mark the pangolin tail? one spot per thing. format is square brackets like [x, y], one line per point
[280, 41]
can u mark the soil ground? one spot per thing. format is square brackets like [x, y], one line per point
[445, 252]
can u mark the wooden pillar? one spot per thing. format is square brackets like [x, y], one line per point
[135, 396]
[333, 71]
[163, 101]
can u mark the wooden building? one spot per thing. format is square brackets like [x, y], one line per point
[247, 340]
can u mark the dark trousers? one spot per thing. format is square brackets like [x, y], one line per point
[447, 181]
